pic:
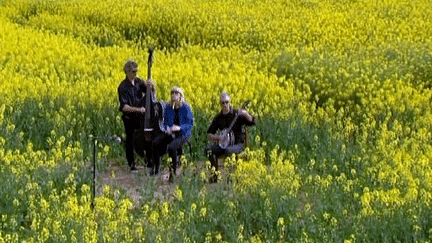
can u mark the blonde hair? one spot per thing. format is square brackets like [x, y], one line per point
[174, 104]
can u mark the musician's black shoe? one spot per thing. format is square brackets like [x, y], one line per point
[150, 163]
[178, 160]
[171, 178]
[213, 179]
[154, 171]
[133, 169]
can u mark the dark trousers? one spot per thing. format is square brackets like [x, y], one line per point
[166, 143]
[130, 123]
[214, 152]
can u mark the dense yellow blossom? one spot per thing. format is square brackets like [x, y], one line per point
[356, 70]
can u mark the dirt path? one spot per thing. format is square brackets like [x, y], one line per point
[140, 186]
[137, 184]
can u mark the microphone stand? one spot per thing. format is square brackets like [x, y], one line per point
[95, 139]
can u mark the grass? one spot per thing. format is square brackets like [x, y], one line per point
[256, 215]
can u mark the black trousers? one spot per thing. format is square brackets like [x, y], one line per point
[166, 143]
[214, 152]
[131, 123]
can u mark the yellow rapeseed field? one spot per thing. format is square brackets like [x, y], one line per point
[345, 85]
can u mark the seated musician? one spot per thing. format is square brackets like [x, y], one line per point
[222, 121]
[131, 93]
[178, 122]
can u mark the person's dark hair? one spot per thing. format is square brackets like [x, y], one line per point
[130, 65]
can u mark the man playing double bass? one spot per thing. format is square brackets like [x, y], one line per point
[131, 92]
[231, 121]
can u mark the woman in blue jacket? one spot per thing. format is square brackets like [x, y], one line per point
[178, 122]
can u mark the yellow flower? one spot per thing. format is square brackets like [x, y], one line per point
[154, 217]
[178, 194]
[280, 221]
[193, 207]
[326, 215]
[203, 212]
[146, 209]
[165, 209]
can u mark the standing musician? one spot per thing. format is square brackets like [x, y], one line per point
[223, 121]
[131, 92]
[178, 122]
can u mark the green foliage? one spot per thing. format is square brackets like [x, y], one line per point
[340, 89]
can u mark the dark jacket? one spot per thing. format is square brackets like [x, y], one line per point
[222, 121]
[132, 95]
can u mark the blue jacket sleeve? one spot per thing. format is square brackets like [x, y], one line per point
[187, 124]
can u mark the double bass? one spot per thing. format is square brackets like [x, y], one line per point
[151, 123]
